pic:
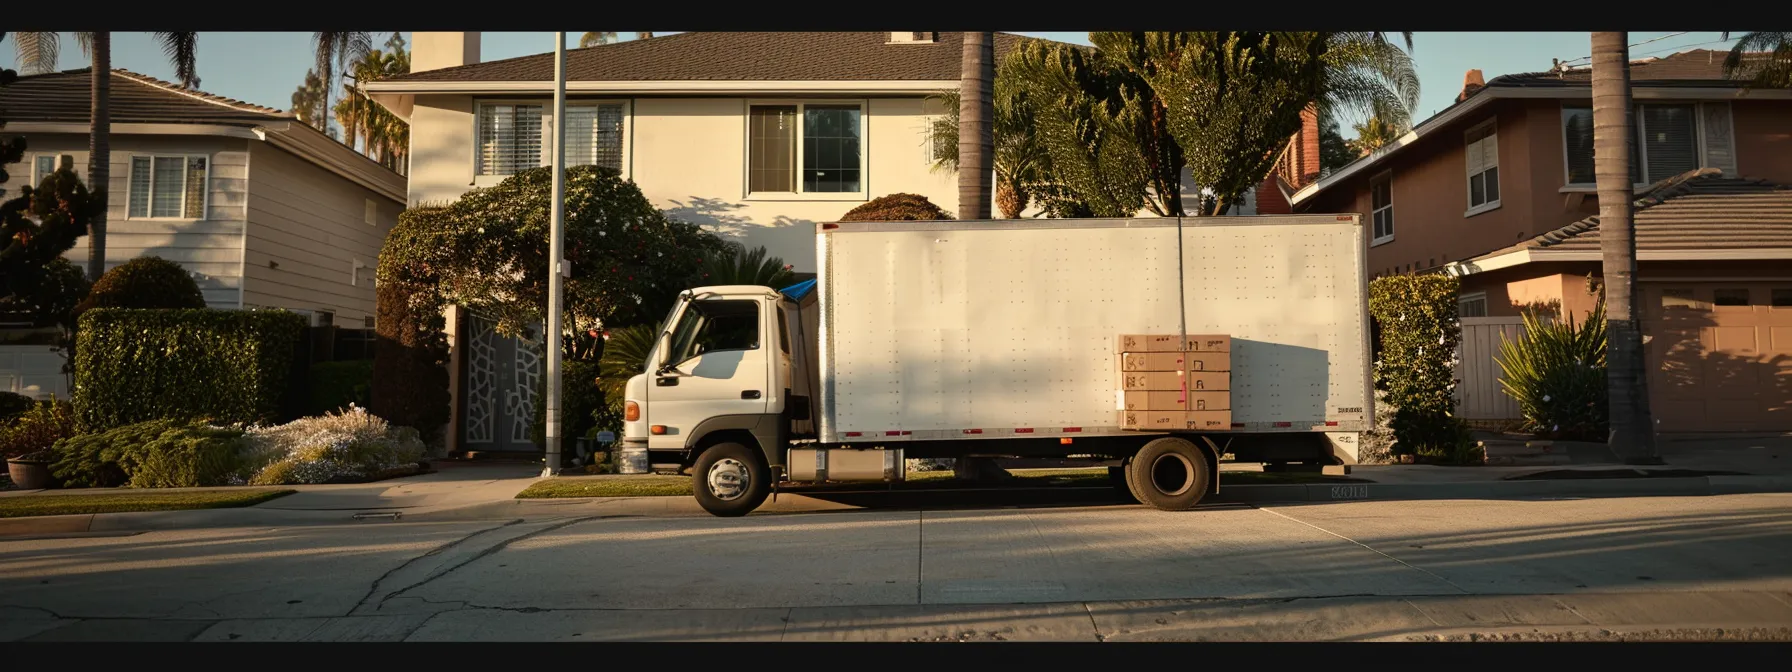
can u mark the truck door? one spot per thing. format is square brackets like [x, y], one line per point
[717, 366]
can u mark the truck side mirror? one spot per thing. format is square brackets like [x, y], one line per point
[663, 352]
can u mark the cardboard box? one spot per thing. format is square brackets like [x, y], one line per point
[1199, 381]
[1207, 361]
[1208, 343]
[1152, 419]
[1207, 421]
[1172, 400]
[1137, 381]
[1146, 343]
[1153, 361]
[1206, 401]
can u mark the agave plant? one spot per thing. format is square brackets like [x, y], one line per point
[1556, 371]
[741, 266]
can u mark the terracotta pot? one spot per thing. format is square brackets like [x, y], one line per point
[29, 474]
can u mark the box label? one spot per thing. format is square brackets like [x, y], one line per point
[1209, 361]
[1207, 421]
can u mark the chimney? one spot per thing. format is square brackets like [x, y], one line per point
[434, 51]
[1471, 82]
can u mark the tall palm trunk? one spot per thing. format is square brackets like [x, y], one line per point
[976, 137]
[99, 151]
[1632, 426]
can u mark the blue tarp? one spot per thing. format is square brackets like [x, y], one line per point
[799, 290]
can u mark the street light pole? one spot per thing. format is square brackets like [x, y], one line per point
[557, 269]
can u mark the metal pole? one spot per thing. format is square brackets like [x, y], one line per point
[557, 256]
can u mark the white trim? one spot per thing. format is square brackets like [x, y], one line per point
[17, 127]
[1486, 95]
[130, 173]
[669, 86]
[1520, 257]
[1375, 240]
[1491, 126]
[1471, 296]
[802, 134]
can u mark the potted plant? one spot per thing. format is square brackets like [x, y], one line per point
[31, 471]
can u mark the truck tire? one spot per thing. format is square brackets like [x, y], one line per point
[1122, 484]
[730, 480]
[1169, 474]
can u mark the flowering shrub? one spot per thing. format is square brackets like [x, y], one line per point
[1416, 368]
[349, 446]
[36, 429]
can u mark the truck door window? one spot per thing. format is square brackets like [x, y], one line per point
[712, 325]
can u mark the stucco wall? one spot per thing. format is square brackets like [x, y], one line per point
[1764, 139]
[689, 157]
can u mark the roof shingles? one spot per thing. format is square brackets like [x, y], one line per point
[1702, 210]
[67, 97]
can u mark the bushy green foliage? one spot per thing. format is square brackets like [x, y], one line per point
[13, 404]
[410, 350]
[144, 282]
[336, 385]
[153, 454]
[36, 428]
[343, 447]
[896, 208]
[581, 397]
[625, 356]
[737, 265]
[1417, 366]
[224, 366]
[1556, 371]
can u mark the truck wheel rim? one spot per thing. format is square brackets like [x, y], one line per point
[1172, 474]
[728, 479]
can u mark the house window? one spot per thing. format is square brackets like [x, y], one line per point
[169, 187]
[941, 146]
[45, 164]
[1670, 139]
[370, 212]
[1381, 205]
[820, 143]
[1472, 305]
[509, 138]
[1483, 168]
[594, 135]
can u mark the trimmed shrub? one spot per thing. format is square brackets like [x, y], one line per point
[345, 447]
[1416, 368]
[13, 404]
[410, 350]
[223, 366]
[896, 208]
[335, 386]
[144, 282]
[36, 429]
[154, 454]
[1556, 371]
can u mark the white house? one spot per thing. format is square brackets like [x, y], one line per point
[263, 210]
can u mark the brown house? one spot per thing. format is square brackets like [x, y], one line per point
[1498, 189]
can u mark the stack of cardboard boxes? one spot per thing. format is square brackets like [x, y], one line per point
[1168, 383]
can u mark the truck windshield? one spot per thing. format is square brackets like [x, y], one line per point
[712, 325]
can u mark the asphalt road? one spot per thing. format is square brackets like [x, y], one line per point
[1631, 568]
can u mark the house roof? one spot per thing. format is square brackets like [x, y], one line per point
[136, 98]
[1699, 211]
[1699, 68]
[745, 56]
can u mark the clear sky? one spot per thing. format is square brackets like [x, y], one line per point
[265, 67]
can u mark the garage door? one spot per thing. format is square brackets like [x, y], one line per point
[1719, 355]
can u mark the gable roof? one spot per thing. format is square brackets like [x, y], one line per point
[1696, 69]
[742, 56]
[1695, 212]
[136, 98]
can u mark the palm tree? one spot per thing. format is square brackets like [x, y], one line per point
[594, 39]
[741, 266]
[1374, 133]
[37, 52]
[1772, 71]
[308, 103]
[1632, 428]
[976, 138]
[337, 50]
[643, 35]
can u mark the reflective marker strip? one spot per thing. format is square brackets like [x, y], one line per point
[1023, 430]
[1068, 430]
[854, 434]
[1284, 424]
[1331, 423]
[973, 431]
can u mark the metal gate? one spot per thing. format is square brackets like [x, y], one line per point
[502, 377]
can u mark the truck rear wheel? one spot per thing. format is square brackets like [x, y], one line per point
[1169, 474]
[1122, 483]
[730, 480]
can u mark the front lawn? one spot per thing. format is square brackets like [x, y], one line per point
[608, 486]
[58, 505]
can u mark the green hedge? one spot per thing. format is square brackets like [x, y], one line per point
[1416, 368]
[225, 366]
[582, 398]
[335, 385]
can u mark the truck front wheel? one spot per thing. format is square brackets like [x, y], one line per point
[1169, 474]
[730, 480]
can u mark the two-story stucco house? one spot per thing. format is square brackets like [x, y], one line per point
[1499, 189]
[757, 136]
[263, 210]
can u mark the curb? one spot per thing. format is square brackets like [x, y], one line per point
[1617, 487]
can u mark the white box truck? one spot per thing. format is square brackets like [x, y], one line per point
[956, 339]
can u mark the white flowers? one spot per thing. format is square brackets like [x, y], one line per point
[351, 444]
[1546, 397]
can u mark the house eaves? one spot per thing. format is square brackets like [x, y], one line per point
[1687, 90]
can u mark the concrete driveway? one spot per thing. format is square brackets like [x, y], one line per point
[1366, 570]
